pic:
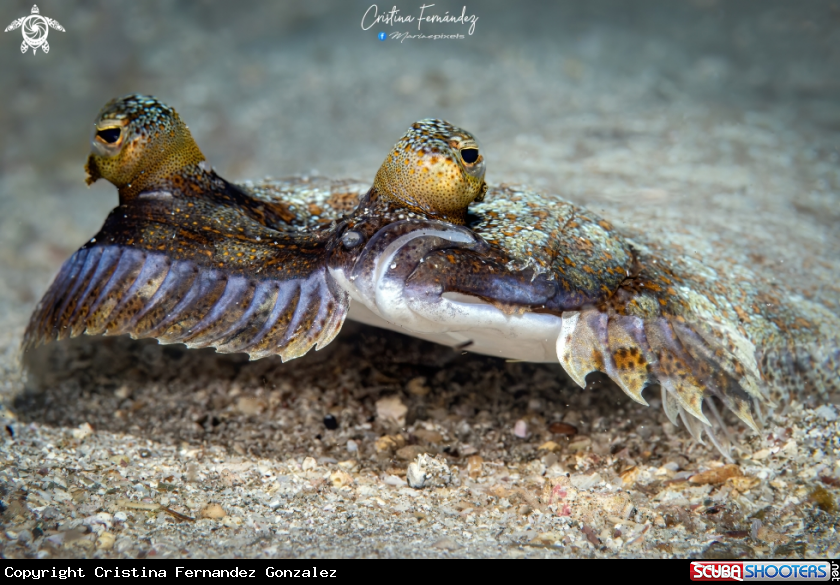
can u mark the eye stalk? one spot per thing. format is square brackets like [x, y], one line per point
[436, 169]
[140, 143]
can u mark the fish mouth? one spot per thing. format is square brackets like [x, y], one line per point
[378, 277]
[398, 288]
[432, 276]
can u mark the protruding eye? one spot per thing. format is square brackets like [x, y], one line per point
[470, 155]
[109, 135]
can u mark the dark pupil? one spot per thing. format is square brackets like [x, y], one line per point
[109, 135]
[470, 155]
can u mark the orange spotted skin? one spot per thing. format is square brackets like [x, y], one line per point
[430, 171]
[189, 257]
[154, 151]
[138, 143]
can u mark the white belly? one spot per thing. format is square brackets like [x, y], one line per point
[529, 337]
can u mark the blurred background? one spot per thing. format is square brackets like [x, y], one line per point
[706, 116]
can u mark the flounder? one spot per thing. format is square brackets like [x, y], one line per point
[429, 250]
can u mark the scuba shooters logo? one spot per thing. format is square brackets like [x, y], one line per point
[764, 571]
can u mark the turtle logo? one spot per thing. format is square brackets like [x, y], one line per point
[35, 29]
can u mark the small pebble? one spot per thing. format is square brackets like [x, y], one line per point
[229, 478]
[546, 538]
[105, 541]
[411, 452]
[122, 392]
[416, 476]
[24, 536]
[580, 444]
[330, 422]
[561, 428]
[55, 539]
[340, 478]
[214, 511]
[393, 480]
[475, 465]
[391, 409]
[387, 443]
[427, 471]
[717, 475]
[827, 412]
[822, 498]
[249, 406]
[417, 386]
[743, 483]
[84, 431]
[433, 437]
[629, 476]
[520, 429]
[584, 482]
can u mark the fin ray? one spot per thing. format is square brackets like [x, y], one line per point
[114, 289]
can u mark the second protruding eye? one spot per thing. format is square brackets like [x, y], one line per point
[109, 135]
[470, 155]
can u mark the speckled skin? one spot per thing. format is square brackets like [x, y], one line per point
[731, 332]
[190, 257]
[187, 256]
[435, 169]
